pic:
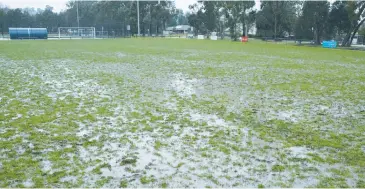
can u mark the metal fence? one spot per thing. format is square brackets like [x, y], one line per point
[4, 36]
[122, 34]
[360, 40]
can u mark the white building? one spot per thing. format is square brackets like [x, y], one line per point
[180, 29]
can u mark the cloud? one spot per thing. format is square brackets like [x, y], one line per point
[184, 4]
[57, 5]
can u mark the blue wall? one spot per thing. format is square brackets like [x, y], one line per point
[28, 33]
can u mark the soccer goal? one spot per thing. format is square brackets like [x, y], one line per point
[76, 32]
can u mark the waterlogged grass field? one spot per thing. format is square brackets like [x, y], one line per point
[180, 113]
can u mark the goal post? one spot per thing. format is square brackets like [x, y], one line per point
[76, 32]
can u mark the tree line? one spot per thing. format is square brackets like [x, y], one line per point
[307, 20]
[114, 16]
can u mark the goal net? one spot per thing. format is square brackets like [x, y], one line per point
[76, 32]
[102, 34]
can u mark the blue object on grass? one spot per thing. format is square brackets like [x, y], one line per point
[28, 33]
[329, 44]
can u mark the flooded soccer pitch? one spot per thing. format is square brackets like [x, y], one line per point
[180, 113]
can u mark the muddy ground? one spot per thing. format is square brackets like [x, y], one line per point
[163, 114]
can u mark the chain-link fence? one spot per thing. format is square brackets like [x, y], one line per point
[4, 36]
[360, 40]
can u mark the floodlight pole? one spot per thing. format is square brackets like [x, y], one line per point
[78, 20]
[138, 17]
[77, 12]
[139, 30]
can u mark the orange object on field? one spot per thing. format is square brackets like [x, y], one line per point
[244, 39]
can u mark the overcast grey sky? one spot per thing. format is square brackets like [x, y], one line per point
[59, 5]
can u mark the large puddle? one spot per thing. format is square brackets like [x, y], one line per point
[152, 125]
